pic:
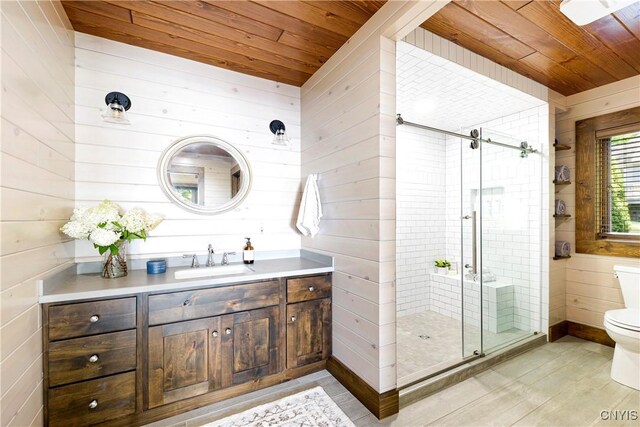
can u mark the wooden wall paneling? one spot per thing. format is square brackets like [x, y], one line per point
[200, 99]
[37, 189]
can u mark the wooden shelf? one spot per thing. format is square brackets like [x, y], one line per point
[555, 258]
[561, 216]
[561, 182]
[562, 147]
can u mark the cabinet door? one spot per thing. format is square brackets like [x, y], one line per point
[185, 360]
[253, 352]
[308, 332]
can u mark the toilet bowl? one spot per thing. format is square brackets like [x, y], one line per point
[623, 326]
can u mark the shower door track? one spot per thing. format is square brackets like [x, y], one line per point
[525, 148]
[463, 362]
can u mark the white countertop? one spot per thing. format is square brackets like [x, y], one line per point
[69, 286]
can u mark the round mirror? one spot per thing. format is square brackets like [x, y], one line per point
[204, 174]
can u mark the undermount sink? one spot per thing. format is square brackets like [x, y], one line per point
[223, 270]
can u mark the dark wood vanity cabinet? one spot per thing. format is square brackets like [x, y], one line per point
[134, 360]
[308, 320]
[191, 358]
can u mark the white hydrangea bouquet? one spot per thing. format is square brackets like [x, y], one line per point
[108, 230]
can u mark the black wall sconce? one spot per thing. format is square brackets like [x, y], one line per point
[117, 106]
[279, 133]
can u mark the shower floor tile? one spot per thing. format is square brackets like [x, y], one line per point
[429, 342]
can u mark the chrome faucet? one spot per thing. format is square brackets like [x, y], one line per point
[210, 262]
[194, 260]
[225, 257]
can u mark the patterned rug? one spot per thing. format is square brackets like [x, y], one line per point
[310, 408]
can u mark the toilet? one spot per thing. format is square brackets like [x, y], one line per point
[623, 326]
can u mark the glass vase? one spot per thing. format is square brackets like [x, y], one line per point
[115, 265]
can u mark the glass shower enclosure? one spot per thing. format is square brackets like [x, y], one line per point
[491, 200]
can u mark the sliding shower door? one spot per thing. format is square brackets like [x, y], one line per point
[510, 230]
[470, 245]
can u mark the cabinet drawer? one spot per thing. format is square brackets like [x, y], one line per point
[200, 303]
[92, 402]
[90, 318]
[91, 357]
[308, 288]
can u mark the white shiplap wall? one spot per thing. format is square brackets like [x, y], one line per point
[589, 285]
[174, 97]
[37, 189]
[348, 137]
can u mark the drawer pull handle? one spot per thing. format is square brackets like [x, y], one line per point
[293, 319]
[227, 331]
[93, 358]
[94, 318]
[311, 289]
[93, 404]
[215, 334]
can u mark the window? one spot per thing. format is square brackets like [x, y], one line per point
[608, 184]
[618, 186]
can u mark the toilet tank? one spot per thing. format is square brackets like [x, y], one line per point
[630, 284]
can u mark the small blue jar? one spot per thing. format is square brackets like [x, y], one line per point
[156, 266]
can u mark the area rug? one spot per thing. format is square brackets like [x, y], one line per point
[310, 408]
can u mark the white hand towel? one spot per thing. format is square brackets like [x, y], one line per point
[310, 208]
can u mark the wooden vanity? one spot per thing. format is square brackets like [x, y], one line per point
[134, 359]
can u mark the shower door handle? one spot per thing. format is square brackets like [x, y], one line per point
[474, 249]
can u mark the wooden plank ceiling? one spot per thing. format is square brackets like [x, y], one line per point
[285, 41]
[288, 41]
[535, 39]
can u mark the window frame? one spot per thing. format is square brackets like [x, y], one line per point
[588, 234]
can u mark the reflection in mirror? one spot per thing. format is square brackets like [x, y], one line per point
[204, 174]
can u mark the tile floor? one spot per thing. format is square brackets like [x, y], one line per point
[565, 383]
[419, 356]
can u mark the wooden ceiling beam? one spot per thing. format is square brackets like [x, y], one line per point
[548, 17]
[173, 45]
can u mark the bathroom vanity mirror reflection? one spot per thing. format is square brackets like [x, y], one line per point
[204, 174]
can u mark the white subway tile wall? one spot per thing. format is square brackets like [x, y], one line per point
[420, 215]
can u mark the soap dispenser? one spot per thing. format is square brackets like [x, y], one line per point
[247, 254]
